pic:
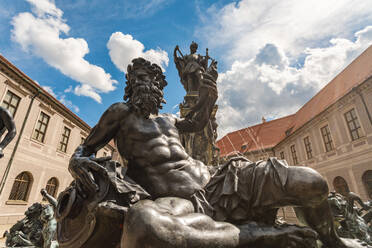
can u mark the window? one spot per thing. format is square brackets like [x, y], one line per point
[52, 186]
[82, 140]
[21, 187]
[41, 127]
[294, 155]
[105, 154]
[327, 138]
[309, 151]
[367, 181]
[353, 124]
[11, 102]
[341, 186]
[281, 155]
[64, 141]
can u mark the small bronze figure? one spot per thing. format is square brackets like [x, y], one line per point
[349, 219]
[27, 231]
[49, 222]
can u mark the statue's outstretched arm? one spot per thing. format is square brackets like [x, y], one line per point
[83, 161]
[175, 57]
[200, 113]
[352, 197]
[49, 198]
[8, 121]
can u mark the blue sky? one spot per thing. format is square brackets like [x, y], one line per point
[273, 55]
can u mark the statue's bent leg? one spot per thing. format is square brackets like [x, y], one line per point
[309, 192]
[149, 224]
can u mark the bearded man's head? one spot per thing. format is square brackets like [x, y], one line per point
[144, 90]
[34, 210]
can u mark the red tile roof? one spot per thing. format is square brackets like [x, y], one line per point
[258, 137]
[353, 75]
[269, 134]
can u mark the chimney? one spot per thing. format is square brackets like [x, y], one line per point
[263, 119]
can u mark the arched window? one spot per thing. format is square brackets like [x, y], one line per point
[21, 187]
[341, 186]
[52, 186]
[367, 181]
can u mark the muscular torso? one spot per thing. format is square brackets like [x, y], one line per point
[157, 160]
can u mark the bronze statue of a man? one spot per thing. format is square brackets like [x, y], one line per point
[240, 192]
[6, 123]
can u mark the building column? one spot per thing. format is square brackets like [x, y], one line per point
[353, 181]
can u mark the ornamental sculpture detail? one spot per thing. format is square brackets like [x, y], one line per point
[198, 76]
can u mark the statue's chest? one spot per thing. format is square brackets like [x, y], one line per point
[151, 128]
[192, 57]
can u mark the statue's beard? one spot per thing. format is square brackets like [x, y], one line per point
[146, 104]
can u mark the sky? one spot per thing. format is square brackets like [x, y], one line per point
[273, 56]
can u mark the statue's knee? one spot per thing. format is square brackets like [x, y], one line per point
[307, 185]
[319, 186]
[137, 218]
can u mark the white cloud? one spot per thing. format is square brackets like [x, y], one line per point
[87, 90]
[280, 53]
[242, 28]
[270, 86]
[68, 90]
[123, 48]
[49, 90]
[45, 7]
[142, 8]
[40, 33]
[62, 98]
[68, 103]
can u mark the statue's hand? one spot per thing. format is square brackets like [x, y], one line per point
[43, 192]
[81, 169]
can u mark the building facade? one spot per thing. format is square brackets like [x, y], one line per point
[38, 157]
[331, 133]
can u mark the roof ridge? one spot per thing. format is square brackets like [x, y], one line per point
[333, 80]
[260, 124]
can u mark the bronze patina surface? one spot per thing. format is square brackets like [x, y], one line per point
[166, 198]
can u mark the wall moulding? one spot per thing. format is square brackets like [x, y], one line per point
[68, 123]
[47, 108]
[17, 87]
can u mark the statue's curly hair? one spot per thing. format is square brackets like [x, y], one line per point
[140, 66]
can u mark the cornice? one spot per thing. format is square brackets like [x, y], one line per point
[83, 133]
[17, 87]
[68, 123]
[47, 108]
